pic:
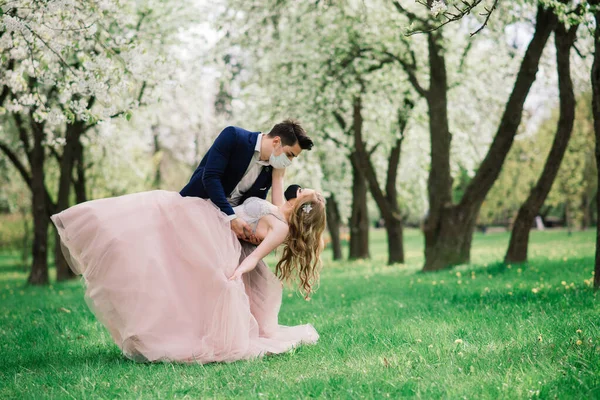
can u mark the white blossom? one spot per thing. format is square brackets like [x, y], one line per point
[438, 7]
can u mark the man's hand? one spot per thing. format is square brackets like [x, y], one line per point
[242, 230]
[254, 240]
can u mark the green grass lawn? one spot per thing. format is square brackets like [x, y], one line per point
[483, 330]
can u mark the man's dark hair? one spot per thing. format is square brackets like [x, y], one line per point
[291, 133]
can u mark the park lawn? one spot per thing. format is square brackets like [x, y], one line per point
[483, 330]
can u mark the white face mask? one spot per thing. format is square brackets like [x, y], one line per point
[279, 162]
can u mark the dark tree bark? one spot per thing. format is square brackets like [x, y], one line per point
[26, 240]
[39, 267]
[80, 182]
[333, 225]
[596, 113]
[41, 205]
[72, 151]
[387, 201]
[393, 222]
[5, 92]
[157, 174]
[519, 240]
[586, 212]
[449, 228]
[67, 163]
[359, 220]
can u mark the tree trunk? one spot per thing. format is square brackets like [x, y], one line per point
[394, 226]
[79, 183]
[393, 219]
[439, 183]
[568, 218]
[333, 225]
[26, 239]
[5, 92]
[394, 230]
[41, 203]
[359, 220]
[156, 184]
[586, 212]
[454, 238]
[67, 162]
[519, 240]
[448, 229]
[39, 267]
[386, 202]
[596, 113]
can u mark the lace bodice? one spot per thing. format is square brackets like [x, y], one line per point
[253, 209]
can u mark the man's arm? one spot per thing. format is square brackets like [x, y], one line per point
[218, 157]
[216, 163]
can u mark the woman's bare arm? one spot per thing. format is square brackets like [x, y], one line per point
[277, 195]
[276, 233]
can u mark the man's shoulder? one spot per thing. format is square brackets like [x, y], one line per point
[234, 135]
[239, 131]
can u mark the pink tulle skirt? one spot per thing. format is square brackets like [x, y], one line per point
[156, 268]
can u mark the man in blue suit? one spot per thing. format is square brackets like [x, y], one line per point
[239, 165]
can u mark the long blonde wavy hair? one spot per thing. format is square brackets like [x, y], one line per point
[303, 246]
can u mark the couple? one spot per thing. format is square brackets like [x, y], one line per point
[174, 277]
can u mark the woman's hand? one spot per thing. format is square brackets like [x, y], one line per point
[247, 265]
[278, 173]
[276, 234]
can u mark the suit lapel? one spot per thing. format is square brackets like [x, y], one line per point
[247, 145]
[263, 182]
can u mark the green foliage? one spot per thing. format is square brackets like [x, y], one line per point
[461, 181]
[484, 331]
[575, 184]
[519, 174]
[577, 181]
[12, 231]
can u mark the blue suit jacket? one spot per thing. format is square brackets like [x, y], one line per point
[223, 167]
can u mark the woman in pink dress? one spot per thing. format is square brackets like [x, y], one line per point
[163, 273]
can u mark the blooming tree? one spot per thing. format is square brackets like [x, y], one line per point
[67, 66]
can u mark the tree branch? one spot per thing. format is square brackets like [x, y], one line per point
[411, 16]
[464, 55]
[55, 154]
[4, 94]
[487, 14]
[118, 114]
[5, 90]
[17, 163]
[142, 89]
[335, 140]
[62, 60]
[382, 63]
[23, 135]
[341, 122]
[373, 149]
[579, 53]
[460, 13]
[410, 70]
[491, 165]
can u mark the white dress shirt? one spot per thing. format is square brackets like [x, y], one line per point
[252, 172]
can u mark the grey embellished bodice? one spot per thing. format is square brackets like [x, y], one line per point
[253, 209]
